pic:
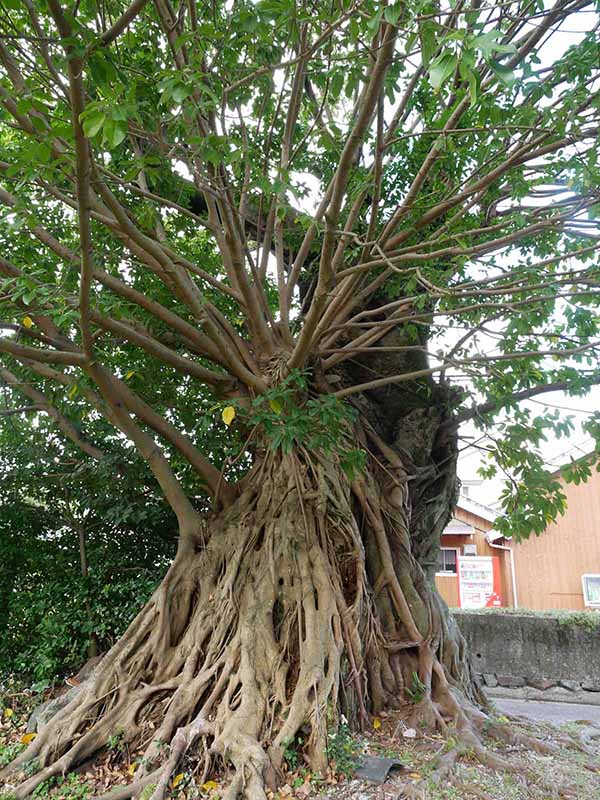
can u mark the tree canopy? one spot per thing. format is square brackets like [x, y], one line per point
[188, 192]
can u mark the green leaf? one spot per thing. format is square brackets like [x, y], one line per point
[336, 83]
[392, 13]
[180, 92]
[427, 34]
[114, 132]
[506, 75]
[473, 79]
[441, 69]
[276, 406]
[92, 124]
[487, 43]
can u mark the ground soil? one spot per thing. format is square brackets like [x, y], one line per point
[116, 766]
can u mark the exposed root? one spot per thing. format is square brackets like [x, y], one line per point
[473, 791]
[240, 647]
[303, 603]
[466, 726]
[444, 766]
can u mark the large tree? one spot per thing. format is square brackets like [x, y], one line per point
[284, 249]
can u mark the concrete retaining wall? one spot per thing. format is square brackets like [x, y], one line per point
[558, 654]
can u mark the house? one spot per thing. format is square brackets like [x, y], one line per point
[470, 534]
[560, 569]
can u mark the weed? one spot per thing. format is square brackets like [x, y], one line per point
[116, 742]
[388, 752]
[43, 790]
[71, 787]
[343, 750]
[8, 752]
[416, 691]
[291, 752]
[31, 767]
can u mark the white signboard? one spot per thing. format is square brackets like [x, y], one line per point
[479, 581]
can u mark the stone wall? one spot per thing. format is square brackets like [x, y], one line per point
[554, 653]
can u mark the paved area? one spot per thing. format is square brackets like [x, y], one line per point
[548, 712]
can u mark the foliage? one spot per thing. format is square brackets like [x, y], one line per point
[51, 612]
[292, 752]
[68, 787]
[289, 418]
[416, 691]
[344, 750]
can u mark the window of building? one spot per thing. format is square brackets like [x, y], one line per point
[591, 590]
[446, 560]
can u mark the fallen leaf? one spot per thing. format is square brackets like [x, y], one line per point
[177, 780]
[132, 768]
[304, 791]
[28, 737]
[376, 723]
[8, 712]
[27, 322]
[206, 787]
[409, 733]
[228, 415]
[415, 775]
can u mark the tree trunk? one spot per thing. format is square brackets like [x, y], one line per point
[305, 602]
[92, 649]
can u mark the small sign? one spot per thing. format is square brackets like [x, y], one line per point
[479, 581]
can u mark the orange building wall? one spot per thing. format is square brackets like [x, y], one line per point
[549, 567]
[447, 585]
